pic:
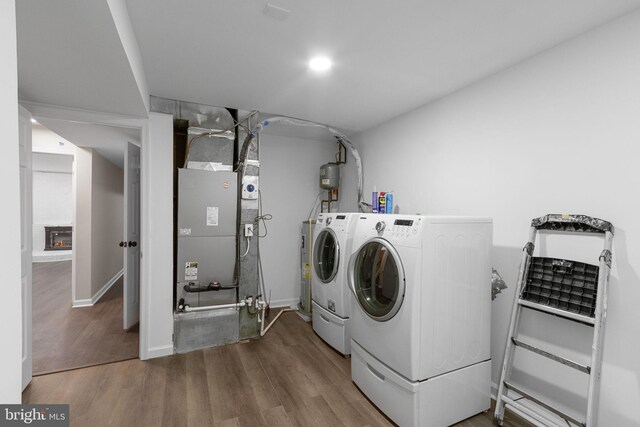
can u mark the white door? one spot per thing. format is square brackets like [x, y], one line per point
[26, 230]
[131, 235]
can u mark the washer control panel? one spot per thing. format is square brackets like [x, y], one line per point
[336, 222]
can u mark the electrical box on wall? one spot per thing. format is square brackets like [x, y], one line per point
[250, 187]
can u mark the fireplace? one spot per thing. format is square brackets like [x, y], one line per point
[57, 238]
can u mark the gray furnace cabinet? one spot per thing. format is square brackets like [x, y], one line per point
[207, 218]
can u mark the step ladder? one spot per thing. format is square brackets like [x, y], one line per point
[544, 285]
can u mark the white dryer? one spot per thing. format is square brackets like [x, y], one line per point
[420, 322]
[332, 237]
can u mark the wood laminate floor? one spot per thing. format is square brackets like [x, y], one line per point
[288, 378]
[67, 338]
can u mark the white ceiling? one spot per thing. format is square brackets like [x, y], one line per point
[390, 56]
[108, 141]
[70, 54]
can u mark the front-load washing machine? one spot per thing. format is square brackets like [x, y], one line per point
[332, 239]
[420, 321]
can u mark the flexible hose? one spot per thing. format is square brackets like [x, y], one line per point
[248, 247]
[340, 136]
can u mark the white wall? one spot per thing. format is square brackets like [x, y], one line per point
[81, 271]
[45, 162]
[557, 133]
[11, 314]
[107, 222]
[289, 183]
[52, 194]
[47, 141]
[99, 226]
[156, 309]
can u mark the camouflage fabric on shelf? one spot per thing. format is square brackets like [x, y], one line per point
[565, 222]
[497, 284]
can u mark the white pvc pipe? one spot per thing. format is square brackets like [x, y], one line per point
[261, 319]
[243, 303]
[264, 330]
[215, 307]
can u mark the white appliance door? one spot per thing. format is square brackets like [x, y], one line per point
[377, 279]
[26, 229]
[326, 255]
[131, 287]
[326, 260]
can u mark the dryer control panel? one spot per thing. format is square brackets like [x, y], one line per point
[405, 227]
[401, 229]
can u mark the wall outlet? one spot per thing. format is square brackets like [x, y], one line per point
[248, 230]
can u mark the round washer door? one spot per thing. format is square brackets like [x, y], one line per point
[377, 279]
[326, 255]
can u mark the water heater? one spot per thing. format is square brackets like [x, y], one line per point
[329, 176]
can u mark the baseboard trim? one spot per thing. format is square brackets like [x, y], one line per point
[52, 258]
[82, 303]
[291, 302]
[494, 391]
[107, 286]
[161, 351]
[100, 293]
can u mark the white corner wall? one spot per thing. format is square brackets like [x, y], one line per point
[556, 133]
[289, 184]
[122, 21]
[157, 238]
[81, 271]
[98, 228]
[11, 314]
[107, 224]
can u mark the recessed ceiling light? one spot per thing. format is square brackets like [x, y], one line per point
[320, 63]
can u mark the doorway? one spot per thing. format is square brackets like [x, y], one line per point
[83, 312]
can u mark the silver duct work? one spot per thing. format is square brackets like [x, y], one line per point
[208, 121]
[211, 134]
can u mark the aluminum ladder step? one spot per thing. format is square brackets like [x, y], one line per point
[540, 402]
[558, 312]
[568, 362]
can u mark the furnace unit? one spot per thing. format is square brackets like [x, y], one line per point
[207, 218]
